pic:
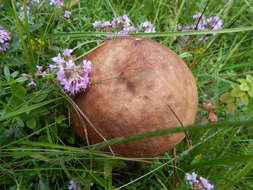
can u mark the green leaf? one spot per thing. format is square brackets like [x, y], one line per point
[6, 72]
[230, 108]
[249, 79]
[237, 92]
[14, 101]
[14, 74]
[250, 92]
[81, 35]
[227, 98]
[244, 86]
[241, 81]
[245, 99]
[31, 123]
[21, 79]
[18, 90]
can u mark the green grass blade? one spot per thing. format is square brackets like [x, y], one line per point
[80, 35]
[27, 109]
[244, 171]
[218, 125]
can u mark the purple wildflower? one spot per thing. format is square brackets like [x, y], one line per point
[123, 25]
[203, 23]
[146, 27]
[74, 77]
[127, 30]
[43, 74]
[206, 183]
[87, 66]
[121, 21]
[30, 78]
[52, 67]
[67, 52]
[67, 14]
[57, 3]
[4, 38]
[105, 25]
[39, 68]
[215, 22]
[35, 1]
[72, 185]
[40, 71]
[27, 8]
[58, 59]
[197, 16]
[31, 83]
[198, 183]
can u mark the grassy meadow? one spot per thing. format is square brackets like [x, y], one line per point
[39, 148]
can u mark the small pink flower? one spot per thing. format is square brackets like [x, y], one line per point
[146, 27]
[52, 67]
[31, 83]
[67, 52]
[67, 14]
[39, 68]
[58, 59]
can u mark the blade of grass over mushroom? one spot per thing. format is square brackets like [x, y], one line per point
[80, 35]
[85, 43]
[224, 124]
[121, 77]
[27, 109]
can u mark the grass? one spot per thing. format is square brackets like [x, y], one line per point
[39, 148]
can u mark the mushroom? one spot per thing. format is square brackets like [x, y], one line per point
[154, 90]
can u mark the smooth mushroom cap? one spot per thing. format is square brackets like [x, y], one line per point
[138, 103]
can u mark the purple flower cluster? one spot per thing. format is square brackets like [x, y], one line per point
[73, 77]
[197, 182]
[57, 3]
[60, 4]
[4, 39]
[146, 27]
[122, 25]
[203, 23]
[27, 9]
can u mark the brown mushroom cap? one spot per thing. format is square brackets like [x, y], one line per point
[137, 104]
